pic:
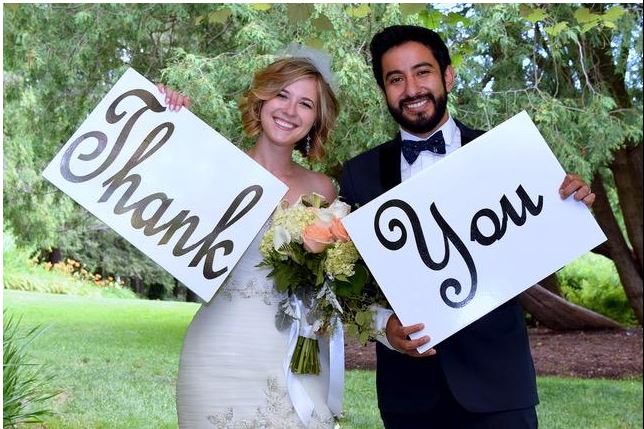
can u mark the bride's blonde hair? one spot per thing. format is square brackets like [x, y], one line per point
[268, 83]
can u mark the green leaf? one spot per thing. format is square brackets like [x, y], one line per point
[609, 24]
[364, 318]
[613, 14]
[351, 329]
[588, 26]
[555, 30]
[537, 15]
[584, 15]
[219, 16]
[298, 12]
[199, 19]
[454, 18]
[411, 8]
[457, 60]
[353, 286]
[262, 7]
[322, 23]
[431, 19]
[359, 11]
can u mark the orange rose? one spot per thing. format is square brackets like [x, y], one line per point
[338, 231]
[316, 238]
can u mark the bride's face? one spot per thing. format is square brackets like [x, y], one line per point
[288, 117]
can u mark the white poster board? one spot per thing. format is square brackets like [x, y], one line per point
[487, 219]
[167, 182]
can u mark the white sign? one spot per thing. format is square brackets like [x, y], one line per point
[472, 231]
[167, 182]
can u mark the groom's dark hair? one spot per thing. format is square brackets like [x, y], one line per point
[396, 35]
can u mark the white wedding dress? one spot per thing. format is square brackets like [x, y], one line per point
[232, 370]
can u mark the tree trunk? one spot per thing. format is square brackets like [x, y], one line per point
[621, 255]
[630, 198]
[55, 255]
[136, 284]
[552, 284]
[556, 313]
[176, 290]
[191, 296]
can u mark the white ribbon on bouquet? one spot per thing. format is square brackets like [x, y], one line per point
[301, 400]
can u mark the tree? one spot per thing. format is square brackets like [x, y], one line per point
[577, 70]
[581, 79]
[59, 59]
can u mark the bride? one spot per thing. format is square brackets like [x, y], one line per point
[233, 371]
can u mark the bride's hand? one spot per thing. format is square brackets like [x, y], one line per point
[174, 99]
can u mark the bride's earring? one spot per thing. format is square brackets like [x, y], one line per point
[307, 147]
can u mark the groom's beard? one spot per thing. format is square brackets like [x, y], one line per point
[422, 123]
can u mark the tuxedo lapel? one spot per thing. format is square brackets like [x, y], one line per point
[467, 134]
[390, 164]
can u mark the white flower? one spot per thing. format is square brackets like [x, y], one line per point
[281, 236]
[337, 210]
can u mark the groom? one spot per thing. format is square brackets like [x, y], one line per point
[482, 376]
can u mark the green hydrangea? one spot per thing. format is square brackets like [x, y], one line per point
[266, 246]
[341, 259]
[294, 219]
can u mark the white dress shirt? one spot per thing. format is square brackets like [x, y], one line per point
[452, 136]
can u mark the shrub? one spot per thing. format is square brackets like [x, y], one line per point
[25, 385]
[592, 282]
[22, 272]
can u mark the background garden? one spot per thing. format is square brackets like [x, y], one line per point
[105, 324]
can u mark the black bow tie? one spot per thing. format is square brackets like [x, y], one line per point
[411, 149]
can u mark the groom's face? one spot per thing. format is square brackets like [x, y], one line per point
[415, 89]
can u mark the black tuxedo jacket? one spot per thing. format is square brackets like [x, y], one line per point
[487, 365]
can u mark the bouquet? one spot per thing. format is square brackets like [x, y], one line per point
[312, 258]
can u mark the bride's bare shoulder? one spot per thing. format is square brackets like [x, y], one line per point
[320, 184]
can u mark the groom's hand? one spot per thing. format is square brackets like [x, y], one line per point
[398, 337]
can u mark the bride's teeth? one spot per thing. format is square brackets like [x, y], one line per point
[284, 124]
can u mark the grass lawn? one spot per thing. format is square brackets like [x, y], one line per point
[115, 360]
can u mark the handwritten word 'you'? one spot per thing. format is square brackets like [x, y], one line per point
[451, 238]
[209, 244]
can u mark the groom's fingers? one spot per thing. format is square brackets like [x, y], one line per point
[406, 330]
[430, 352]
[412, 345]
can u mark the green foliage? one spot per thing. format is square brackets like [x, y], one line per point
[60, 59]
[26, 386]
[20, 272]
[592, 282]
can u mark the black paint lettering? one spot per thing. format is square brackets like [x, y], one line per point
[507, 210]
[151, 103]
[449, 236]
[140, 155]
[208, 246]
[137, 220]
[224, 223]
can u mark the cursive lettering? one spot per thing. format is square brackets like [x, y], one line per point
[507, 211]
[147, 212]
[449, 236]
[451, 239]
